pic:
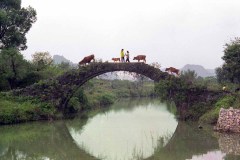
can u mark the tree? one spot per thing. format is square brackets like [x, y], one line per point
[230, 70]
[15, 22]
[41, 60]
[189, 76]
[222, 75]
[13, 68]
[64, 66]
[8, 4]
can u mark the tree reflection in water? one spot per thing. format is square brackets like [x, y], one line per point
[43, 140]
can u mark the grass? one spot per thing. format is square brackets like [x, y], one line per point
[15, 110]
[211, 117]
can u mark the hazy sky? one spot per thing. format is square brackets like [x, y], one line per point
[171, 32]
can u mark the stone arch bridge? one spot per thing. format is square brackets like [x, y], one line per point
[58, 91]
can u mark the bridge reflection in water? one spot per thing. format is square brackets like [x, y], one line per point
[130, 129]
[53, 141]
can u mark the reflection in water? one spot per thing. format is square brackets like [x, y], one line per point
[213, 155]
[229, 143]
[40, 141]
[126, 131]
[44, 141]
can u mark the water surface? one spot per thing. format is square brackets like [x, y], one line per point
[129, 129]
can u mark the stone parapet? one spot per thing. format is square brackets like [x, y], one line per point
[228, 120]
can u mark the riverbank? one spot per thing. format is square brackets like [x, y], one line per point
[225, 102]
[95, 94]
[23, 109]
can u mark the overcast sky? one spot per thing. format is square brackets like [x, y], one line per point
[171, 32]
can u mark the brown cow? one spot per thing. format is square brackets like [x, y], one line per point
[172, 70]
[87, 59]
[140, 57]
[116, 59]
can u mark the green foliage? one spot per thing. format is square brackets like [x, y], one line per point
[98, 92]
[10, 4]
[30, 78]
[50, 72]
[189, 76]
[82, 98]
[174, 88]
[163, 89]
[230, 71]
[16, 72]
[211, 117]
[78, 102]
[225, 102]
[13, 67]
[41, 60]
[211, 83]
[106, 99]
[190, 94]
[15, 23]
[120, 88]
[124, 92]
[20, 109]
[74, 105]
[64, 66]
[222, 75]
[236, 103]
[196, 110]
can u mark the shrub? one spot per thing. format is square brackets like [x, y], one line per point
[211, 117]
[74, 105]
[81, 96]
[106, 99]
[225, 102]
[20, 109]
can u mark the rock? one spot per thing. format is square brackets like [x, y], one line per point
[229, 120]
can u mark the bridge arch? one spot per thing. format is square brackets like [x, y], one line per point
[85, 73]
[58, 91]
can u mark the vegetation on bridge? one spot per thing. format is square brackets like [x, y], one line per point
[191, 94]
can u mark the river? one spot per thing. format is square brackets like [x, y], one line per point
[128, 130]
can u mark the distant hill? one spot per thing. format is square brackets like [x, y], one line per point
[57, 59]
[200, 70]
[212, 71]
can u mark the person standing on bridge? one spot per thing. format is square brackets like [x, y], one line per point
[122, 55]
[127, 57]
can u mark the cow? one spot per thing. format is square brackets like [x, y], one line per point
[87, 59]
[116, 59]
[172, 70]
[140, 57]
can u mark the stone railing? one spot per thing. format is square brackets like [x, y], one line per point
[228, 120]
